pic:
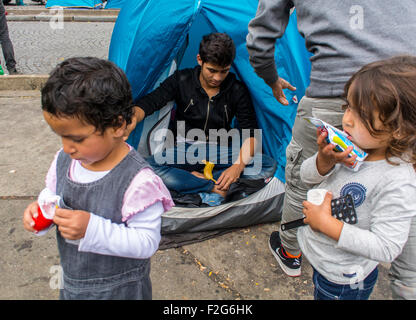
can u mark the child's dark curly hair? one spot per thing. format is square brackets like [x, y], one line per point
[93, 90]
[389, 87]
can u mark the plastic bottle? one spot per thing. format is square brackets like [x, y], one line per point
[42, 221]
[1, 71]
[47, 203]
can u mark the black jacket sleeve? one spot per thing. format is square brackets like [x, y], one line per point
[159, 97]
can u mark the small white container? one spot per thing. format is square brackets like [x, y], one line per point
[316, 196]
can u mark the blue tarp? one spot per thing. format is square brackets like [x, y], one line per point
[74, 3]
[148, 37]
[114, 4]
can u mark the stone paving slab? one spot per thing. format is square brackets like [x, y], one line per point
[27, 144]
[39, 48]
[28, 263]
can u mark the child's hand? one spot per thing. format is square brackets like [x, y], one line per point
[320, 219]
[327, 157]
[30, 212]
[71, 223]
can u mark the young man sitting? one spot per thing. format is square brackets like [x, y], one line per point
[207, 98]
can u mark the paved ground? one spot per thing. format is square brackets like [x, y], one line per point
[40, 45]
[48, 47]
[237, 265]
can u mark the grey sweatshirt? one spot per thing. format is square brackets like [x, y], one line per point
[342, 36]
[384, 197]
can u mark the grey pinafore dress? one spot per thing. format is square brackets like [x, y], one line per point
[95, 276]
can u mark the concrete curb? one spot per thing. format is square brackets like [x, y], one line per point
[79, 15]
[83, 12]
[22, 82]
[65, 18]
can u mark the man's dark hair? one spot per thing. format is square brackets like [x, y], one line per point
[93, 90]
[218, 49]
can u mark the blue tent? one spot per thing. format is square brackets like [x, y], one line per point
[114, 4]
[74, 3]
[150, 35]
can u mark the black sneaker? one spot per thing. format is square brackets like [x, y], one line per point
[290, 266]
[13, 71]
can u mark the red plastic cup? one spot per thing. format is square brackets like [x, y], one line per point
[41, 222]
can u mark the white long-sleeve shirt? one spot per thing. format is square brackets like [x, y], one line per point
[139, 237]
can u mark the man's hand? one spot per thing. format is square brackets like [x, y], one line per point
[138, 116]
[229, 176]
[71, 223]
[277, 88]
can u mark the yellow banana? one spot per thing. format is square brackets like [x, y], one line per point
[209, 166]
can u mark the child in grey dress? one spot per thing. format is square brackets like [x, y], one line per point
[109, 216]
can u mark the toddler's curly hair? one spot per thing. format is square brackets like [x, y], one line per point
[94, 90]
[388, 86]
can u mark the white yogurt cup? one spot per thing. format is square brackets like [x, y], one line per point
[316, 196]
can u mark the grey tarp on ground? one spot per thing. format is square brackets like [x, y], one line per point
[186, 225]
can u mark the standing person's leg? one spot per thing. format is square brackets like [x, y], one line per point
[284, 245]
[6, 43]
[403, 269]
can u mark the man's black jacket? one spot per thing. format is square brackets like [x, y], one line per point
[194, 106]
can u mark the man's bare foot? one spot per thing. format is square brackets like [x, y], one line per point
[198, 174]
[218, 191]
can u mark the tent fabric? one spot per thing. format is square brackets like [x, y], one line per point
[74, 3]
[261, 207]
[182, 226]
[149, 35]
[114, 4]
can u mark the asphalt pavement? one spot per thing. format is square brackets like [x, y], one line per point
[237, 265]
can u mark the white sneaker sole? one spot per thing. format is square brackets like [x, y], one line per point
[288, 271]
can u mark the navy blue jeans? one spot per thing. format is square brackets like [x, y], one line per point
[174, 166]
[327, 290]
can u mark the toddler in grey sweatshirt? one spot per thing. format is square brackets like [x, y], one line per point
[379, 118]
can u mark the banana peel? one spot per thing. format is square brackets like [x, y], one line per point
[209, 166]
